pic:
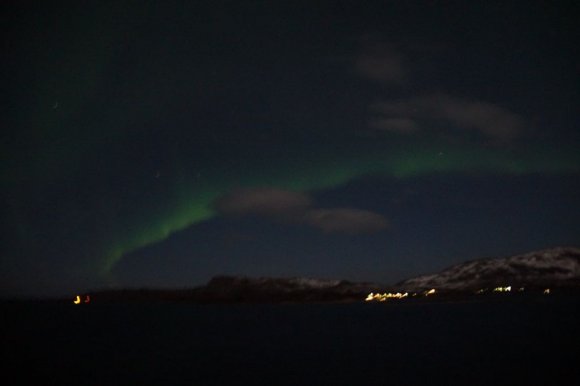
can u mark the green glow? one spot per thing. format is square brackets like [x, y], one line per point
[193, 203]
[188, 213]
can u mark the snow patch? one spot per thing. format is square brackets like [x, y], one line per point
[556, 265]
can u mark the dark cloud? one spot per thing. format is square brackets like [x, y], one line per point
[396, 125]
[381, 63]
[346, 220]
[296, 207]
[492, 121]
[262, 201]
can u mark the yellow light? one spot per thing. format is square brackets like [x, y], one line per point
[430, 292]
[77, 300]
[383, 297]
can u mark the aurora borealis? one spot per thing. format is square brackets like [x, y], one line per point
[125, 125]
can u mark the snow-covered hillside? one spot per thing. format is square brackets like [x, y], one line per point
[558, 267]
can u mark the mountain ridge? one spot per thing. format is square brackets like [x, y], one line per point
[557, 267]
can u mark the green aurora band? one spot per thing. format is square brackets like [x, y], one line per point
[55, 145]
[193, 203]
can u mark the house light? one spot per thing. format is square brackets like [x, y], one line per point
[503, 289]
[383, 297]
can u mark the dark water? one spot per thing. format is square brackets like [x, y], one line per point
[527, 342]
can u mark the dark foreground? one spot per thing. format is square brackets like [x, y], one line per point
[531, 341]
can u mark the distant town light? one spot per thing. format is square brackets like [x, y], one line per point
[383, 297]
[503, 289]
[430, 292]
[547, 291]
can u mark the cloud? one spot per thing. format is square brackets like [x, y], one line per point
[397, 125]
[262, 201]
[346, 220]
[489, 119]
[492, 120]
[296, 207]
[381, 63]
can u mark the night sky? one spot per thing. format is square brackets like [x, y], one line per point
[157, 144]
